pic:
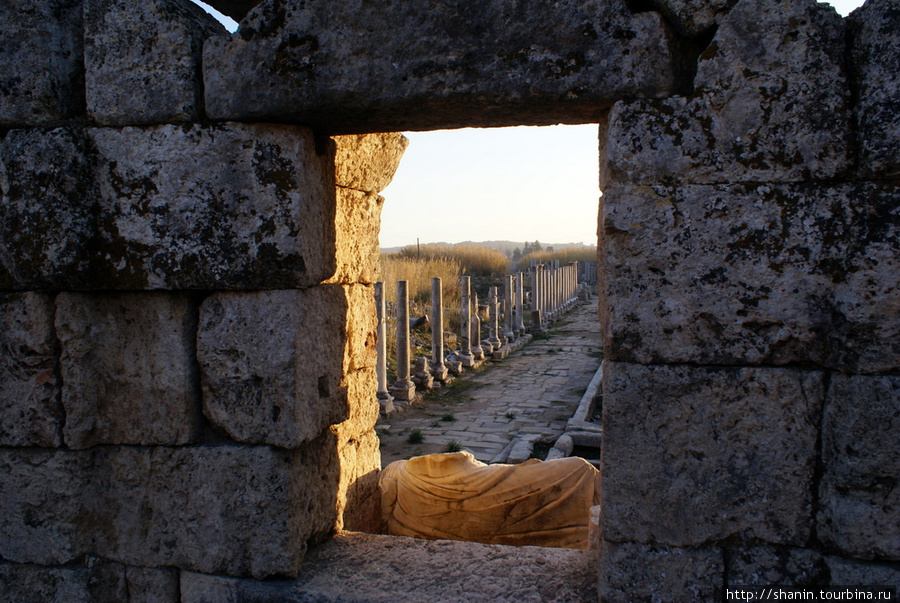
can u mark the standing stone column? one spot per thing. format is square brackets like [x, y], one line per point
[494, 325]
[385, 399]
[477, 350]
[465, 322]
[403, 389]
[537, 319]
[520, 303]
[509, 331]
[437, 368]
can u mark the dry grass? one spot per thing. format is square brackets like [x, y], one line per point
[472, 259]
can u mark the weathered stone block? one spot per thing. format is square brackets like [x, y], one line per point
[270, 360]
[771, 104]
[47, 208]
[368, 162]
[152, 585]
[41, 70]
[631, 571]
[128, 368]
[698, 454]
[859, 498]
[865, 332]
[767, 565]
[96, 580]
[851, 571]
[30, 409]
[693, 18]
[875, 53]
[239, 511]
[28, 583]
[142, 61]
[231, 206]
[751, 274]
[357, 224]
[43, 519]
[359, 67]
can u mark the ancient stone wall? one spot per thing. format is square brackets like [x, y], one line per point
[186, 379]
[188, 332]
[749, 302]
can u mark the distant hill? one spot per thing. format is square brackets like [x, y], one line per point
[506, 247]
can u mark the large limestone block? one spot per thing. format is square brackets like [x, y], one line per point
[865, 332]
[751, 274]
[631, 571]
[375, 67]
[875, 54]
[368, 162]
[851, 571]
[142, 60]
[357, 224]
[231, 206]
[859, 500]
[26, 583]
[693, 455]
[273, 363]
[128, 368]
[43, 519]
[235, 510]
[94, 580]
[771, 103]
[693, 18]
[373, 567]
[30, 409]
[766, 565]
[41, 62]
[47, 208]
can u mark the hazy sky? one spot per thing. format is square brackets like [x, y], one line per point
[520, 184]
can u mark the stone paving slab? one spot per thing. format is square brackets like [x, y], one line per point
[531, 393]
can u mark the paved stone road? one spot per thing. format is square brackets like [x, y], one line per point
[531, 393]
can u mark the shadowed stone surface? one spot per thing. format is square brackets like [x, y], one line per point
[43, 520]
[752, 274]
[47, 208]
[692, 17]
[767, 565]
[41, 62]
[368, 67]
[222, 509]
[697, 454]
[772, 103]
[227, 206]
[630, 572]
[860, 440]
[847, 571]
[128, 368]
[270, 360]
[236, 9]
[96, 580]
[238, 510]
[875, 54]
[30, 409]
[142, 60]
[365, 567]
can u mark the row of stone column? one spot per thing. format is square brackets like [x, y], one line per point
[553, 291]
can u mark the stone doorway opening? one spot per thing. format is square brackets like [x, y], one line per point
[442, 193]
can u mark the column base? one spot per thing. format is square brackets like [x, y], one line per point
[404, 391]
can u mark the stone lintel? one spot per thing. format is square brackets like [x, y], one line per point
[351, 68]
